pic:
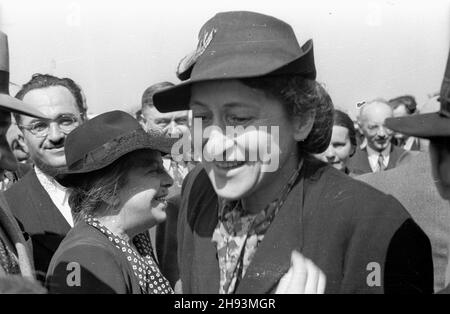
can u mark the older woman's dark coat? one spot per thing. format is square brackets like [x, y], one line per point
[87, 262]
[363, 240]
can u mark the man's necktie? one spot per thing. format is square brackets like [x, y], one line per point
[177, 177]
[381, 166]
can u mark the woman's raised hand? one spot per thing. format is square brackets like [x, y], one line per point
[303, 277]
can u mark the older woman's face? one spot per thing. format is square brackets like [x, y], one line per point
[143, 198]
[239, 163]
[340, 149]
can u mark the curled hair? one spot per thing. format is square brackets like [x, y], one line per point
[97, 190]
[342, 119]
[301, 96]
[408, 101]
[39, 81]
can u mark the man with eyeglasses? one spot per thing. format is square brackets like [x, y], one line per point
[37, 200]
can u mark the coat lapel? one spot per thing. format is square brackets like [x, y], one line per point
[49, 215]
[359, 163]
[199, 265]
[394, 156]
[272, 259]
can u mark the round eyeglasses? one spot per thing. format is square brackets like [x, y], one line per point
[66, 123]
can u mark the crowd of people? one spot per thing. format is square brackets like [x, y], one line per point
[104, 205]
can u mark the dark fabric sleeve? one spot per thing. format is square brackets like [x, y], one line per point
[409, 263]
[166, 242]
[87, 269]
[184, 236]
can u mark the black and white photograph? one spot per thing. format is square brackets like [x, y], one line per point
[224, 148]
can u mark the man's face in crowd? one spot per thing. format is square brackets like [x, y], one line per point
[440, 164]
[172, 124]
[56, 102]
[372, 120]
[7, 160]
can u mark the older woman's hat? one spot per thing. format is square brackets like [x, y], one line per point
[234, 45]
[6, 101]
[102, 140]
[436, 124]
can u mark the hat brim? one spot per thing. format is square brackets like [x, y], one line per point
[177, 98]
[112, 151]
[423, 125]
[17, 106]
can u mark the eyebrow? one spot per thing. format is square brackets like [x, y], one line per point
[227, 105]
[197, 103]
[37, 120]
[48, 119]
[234, 104]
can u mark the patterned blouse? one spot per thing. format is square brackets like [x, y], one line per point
[239, 233]
[142, 260]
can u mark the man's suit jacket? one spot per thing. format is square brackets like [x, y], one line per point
[359, 162]
[40, 217]
[412, 184]
[347, 228]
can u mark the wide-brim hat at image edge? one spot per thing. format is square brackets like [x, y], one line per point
[429, 125]
[7, 102]
[237, 45]
[101, 141]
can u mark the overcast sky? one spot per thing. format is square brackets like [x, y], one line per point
[115, 49]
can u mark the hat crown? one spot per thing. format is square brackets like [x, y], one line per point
[242, 26]
[444, 96]
[229, 40]
[4, 64]
[4, 55]
[97, 132]
[238, 45]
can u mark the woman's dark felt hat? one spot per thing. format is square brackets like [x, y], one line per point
[102, 140]
[429, 125]
[235, 45]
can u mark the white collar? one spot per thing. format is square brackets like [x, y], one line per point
[373, 157]
[48, 181]
[58, 194]
[386, 152]
[409, 143]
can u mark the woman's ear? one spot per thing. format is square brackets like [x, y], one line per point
[303, 125]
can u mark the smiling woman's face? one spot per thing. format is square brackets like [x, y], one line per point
[239, 165]
[143, 197]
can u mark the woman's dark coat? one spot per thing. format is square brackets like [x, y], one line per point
[363, 240]
[87, 262]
